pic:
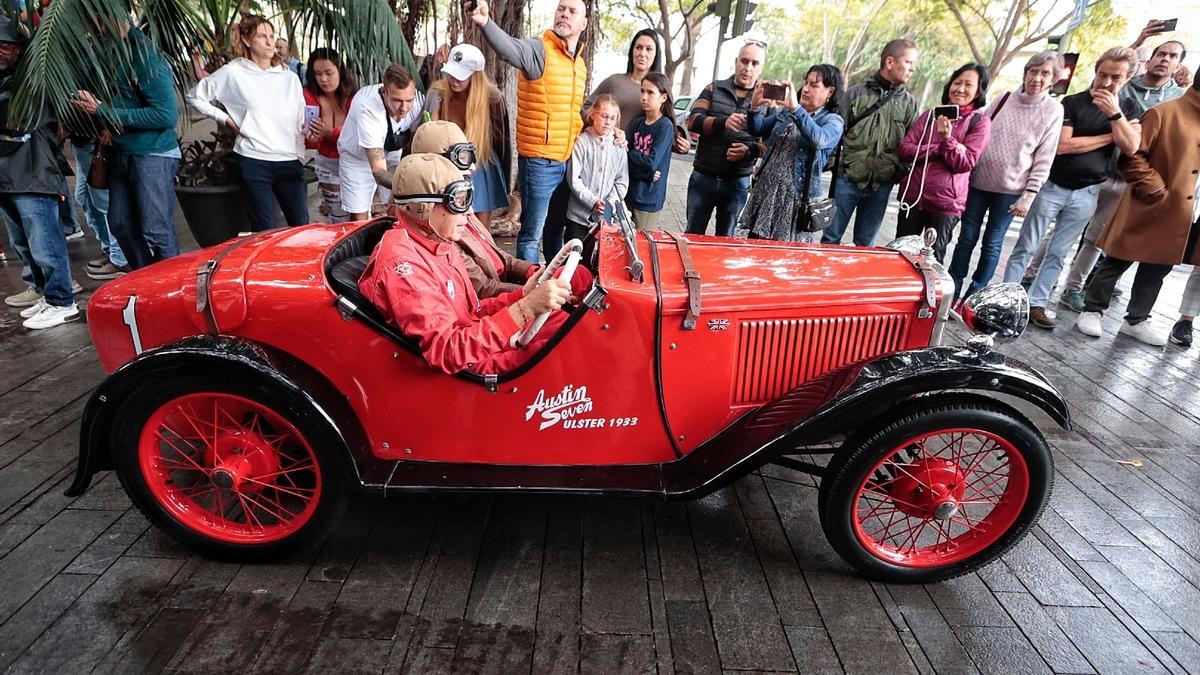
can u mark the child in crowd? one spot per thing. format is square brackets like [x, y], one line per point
[651, 135]
[599, 169]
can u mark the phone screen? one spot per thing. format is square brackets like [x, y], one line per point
[774, 92]
[948, 111]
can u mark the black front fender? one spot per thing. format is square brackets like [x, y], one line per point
[846, 401]
[234, 358]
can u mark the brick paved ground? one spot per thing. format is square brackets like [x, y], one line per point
[740, 581]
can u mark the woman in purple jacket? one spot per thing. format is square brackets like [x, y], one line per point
[943, 151]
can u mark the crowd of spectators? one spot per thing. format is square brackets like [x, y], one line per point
[1111, 171]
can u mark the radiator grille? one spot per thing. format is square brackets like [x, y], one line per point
[776, 355]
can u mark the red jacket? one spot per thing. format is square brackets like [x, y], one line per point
[422, 288]
[327, 146]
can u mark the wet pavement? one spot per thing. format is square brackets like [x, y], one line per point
[743, 580]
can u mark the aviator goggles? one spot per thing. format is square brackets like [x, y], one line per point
[457, 197]
[462, 155]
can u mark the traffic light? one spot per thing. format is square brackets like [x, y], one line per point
[742, 23]
[1068, 71]
[720, 8]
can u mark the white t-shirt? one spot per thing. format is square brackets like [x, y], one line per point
[366, 124]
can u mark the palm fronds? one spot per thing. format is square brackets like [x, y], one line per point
[75, 45]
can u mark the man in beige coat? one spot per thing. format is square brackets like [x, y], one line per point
[1157, 221]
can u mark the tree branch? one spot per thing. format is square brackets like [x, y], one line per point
[962, 22]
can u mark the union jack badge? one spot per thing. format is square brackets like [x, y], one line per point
[718, 324]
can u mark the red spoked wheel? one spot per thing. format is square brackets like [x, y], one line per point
[232, 467]
[229, 468]
[938, 492]
[941, 498]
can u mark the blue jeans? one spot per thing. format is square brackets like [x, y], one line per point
[141, 207]
[869, 205]
[1073, 208]
[1053, 202]
[32, 223]
[706, 194]
[264, 183]
[537, 178]
[995, 206]
[95, 206]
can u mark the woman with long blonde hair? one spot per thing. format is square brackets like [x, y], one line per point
[466, 96]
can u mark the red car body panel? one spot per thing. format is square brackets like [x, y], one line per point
[773, 316]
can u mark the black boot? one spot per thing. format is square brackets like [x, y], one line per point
[1181, 333]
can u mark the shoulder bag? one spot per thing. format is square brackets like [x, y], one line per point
[813, 215]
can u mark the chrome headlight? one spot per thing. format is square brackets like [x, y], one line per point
[998, 310]
[909, 243]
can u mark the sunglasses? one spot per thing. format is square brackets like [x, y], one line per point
[457, 197]
[756, 43]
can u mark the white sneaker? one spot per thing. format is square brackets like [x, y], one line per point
[1145, 332]
[1088, 323]
[74, 235]
[52, 316]
[75, 287]
[34, 309]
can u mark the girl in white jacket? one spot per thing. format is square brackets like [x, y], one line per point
[264, 105]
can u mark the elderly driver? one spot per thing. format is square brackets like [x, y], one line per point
[417, 280]
[492, 269]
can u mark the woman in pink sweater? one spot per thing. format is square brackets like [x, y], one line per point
[943, 151]
[1025, 129]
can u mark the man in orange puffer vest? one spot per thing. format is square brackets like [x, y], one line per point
[549, 97]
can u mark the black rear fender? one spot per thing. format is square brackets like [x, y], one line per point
[314, 396]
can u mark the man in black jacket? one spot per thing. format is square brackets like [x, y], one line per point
[726, 152]
[31, 186]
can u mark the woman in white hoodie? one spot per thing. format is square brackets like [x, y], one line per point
[264, 105]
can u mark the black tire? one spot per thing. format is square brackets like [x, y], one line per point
[857, 463]
[328, 503]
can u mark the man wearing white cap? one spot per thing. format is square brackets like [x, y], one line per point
[466, 96]
[376, 129]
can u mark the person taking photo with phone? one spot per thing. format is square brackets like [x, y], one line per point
[1012, 169]
[801, 134]
[727, 151]
[943, 146]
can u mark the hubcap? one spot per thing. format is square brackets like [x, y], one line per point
[940, 498]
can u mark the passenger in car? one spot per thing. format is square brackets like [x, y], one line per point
[416, 278]
[492, 269]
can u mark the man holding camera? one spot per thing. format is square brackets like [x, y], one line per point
[726, 152]
[550, 81]
[1095, 125]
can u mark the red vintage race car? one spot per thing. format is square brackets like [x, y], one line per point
[252, 387]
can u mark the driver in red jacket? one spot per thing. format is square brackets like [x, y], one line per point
[417, 280]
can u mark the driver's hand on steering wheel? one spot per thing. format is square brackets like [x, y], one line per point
[551, 294]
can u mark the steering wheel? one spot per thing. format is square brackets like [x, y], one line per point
[568, 259]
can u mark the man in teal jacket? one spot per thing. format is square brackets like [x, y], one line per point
[143, 112]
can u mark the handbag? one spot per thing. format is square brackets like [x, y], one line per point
[97, 177]
[813, 215]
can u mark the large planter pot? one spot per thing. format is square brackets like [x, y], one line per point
[213, 214]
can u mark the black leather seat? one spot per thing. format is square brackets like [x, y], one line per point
[345, 265]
